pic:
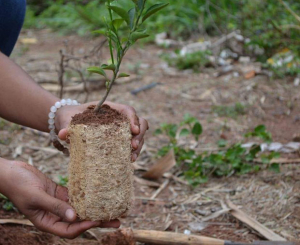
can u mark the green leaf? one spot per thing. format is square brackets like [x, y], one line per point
[140, 4]
[138, 35]
[184, 132]
[123, 75]
[222, 143]
[275, 167]
[117, 23]
[153, 9]
[111, 67]
[197, 130]
[8, 206]
[98, 70]
[158, 131]
[101, 31]
[121, 12]
[131, 14]
[260, 129]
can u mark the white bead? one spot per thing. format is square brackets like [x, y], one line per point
[51, 115]
[51, 126]
[52, 132]
[53, 109]
[69, 102]
[51, 121]
[74, 102]
[63, 102]
[53, 138]
[57, 104]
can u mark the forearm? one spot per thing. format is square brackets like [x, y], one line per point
[22, 101]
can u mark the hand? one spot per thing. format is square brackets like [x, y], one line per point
[43, 202]
[139, 126]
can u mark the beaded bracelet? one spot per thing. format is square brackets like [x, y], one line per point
[51, 122]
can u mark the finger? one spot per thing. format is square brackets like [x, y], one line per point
[73, 230]
[62, 193]
[62, 135]
[67, 230]
[136, 153]
[143, 128]
[133, 118]
[55, 206]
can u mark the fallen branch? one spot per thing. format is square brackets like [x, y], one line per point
[170, 238]
[261, 229]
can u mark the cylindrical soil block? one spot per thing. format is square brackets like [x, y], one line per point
[100, 169]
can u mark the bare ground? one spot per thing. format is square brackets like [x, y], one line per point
[272, 199]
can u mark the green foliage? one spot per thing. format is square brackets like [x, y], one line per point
[227, 161]
[7, 205]
[129, 15]
[196, 61]
[230, 111]
[63, 180]
[261, 132]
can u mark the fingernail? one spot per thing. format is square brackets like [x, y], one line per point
[137, 142]
[70, 214]
[137, 127]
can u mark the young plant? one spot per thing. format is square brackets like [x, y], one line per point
[100, 183]
[128, 14]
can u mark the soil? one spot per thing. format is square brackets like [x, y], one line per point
[12, 235]
[271, 198]
[106, 116]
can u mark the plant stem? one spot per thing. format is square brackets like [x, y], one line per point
[110, 44]
[116, 72]
[119, 60]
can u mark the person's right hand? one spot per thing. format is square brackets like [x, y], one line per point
[42, 201]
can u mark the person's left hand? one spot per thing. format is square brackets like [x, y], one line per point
[139, 126]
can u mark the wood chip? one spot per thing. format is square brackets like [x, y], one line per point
[162, 166]
[261, 229]
[146, 182]
[16, 222]
[250, 74]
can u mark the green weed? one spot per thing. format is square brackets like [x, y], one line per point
[7, 205]
[230, 111]
[228, 160]
[196, 61]
[63, 180]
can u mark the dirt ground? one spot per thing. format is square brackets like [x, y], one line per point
[273, 199]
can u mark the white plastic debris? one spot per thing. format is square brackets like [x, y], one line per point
[297, 81]
[195, 47]
[197, 226]
[275, 146]
[162, 40]
[187, 232]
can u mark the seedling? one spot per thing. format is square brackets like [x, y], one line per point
[128, 14]
[100, 170]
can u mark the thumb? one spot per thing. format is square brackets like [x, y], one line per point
[62, 134]
[57, 207]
